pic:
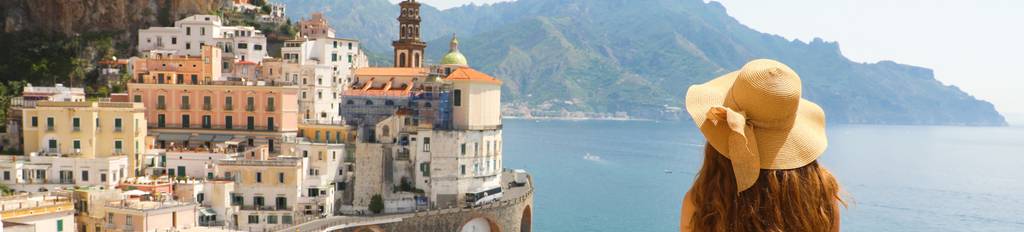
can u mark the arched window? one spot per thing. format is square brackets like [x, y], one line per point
[427, 105]
[401, 60]
[369, 102]
[389, 103]
[416, 61]
[385, 131]
[350, 102]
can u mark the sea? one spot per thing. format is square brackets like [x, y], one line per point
[896, 178]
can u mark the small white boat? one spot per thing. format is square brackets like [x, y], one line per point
[668, 171]
[588, 156]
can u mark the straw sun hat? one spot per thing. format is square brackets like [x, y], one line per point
[756, 118]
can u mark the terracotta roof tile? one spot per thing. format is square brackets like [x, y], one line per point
[469, 74]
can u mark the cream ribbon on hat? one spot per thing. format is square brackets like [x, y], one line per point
[743, 153]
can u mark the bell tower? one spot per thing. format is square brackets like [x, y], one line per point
[409, 48]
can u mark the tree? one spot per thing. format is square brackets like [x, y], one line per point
[376, 204]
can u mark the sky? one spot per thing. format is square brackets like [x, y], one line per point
[975, 45]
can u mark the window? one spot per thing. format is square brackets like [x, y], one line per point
[184, 102]
[250, 104]
[188, 46]
[85, 175]
[462, 169]
[235, 198]
[243, 45]
[334, 57]
[227, 103]
[195, 78]
[458, 97]
[160, 120]
[254, 219]
[128, 220]
[257, 201]
[7, 175]
[257, 47]
[76, 124]
[350, 58]
[227, 122]
[200, 197]
[250, 123]
[117, 124]
[103, 177]
[202, 31]
[185, 121]
[160, 102]
[188, 30]
[259, 177]
[270, 103]
[426, 144]
[286, 219]
[280, 177]
[110, 218]
[207, 122]
[463, 148]
[271, 219]
[60, 225]
[53, 145]
[281, 202]
[35, 121]
[207, 103]
[174, 40]
[77, 145]
[117, 146]
[49, 123]
[314, 192]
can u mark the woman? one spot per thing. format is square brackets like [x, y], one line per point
[760, 171]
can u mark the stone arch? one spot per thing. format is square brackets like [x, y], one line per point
[401, 60]
[526, 222]
[480, 224]
[371, 228]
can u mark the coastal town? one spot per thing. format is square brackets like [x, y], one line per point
[212, 133]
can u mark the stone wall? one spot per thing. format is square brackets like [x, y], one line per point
[515, 215]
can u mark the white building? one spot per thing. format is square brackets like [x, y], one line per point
[322, 68]
[38, 212]
[45, 173]
[189, 35]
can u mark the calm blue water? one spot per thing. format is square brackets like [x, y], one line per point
[898, 178]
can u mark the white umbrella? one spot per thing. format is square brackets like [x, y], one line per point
[136, 193]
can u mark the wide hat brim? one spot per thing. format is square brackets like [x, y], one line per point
[789, 147]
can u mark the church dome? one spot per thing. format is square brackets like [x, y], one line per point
[454, 57]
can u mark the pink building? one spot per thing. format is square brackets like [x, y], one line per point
[252, 113]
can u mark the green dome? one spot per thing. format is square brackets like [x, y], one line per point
[454, 58]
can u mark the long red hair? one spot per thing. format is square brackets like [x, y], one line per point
[802, 199]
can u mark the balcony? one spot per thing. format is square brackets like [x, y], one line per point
[76, 129]
[270, 108]
[229, 107]
[215, 127]
[186, 106]
[118, 129]
[50, 128]
[207, 107]
[250, 108]
[161, 106]
[264, 208]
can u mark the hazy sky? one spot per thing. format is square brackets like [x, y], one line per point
[976, 45]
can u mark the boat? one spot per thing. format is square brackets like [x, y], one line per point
[588, 156]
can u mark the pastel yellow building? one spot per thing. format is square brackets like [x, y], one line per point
[86, 130]
[266, 191]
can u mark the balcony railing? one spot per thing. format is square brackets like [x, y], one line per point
[186, 106]
[118, 129]
[217, 127]
[270, 108]
[250, 108]
[76, 129]
[207, 107]
[161, 106]
[265, 208]
[49, 128]
[229, 107]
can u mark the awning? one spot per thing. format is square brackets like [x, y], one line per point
[172, 137]
[201, 138]
[222, 138]
[207, 212]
